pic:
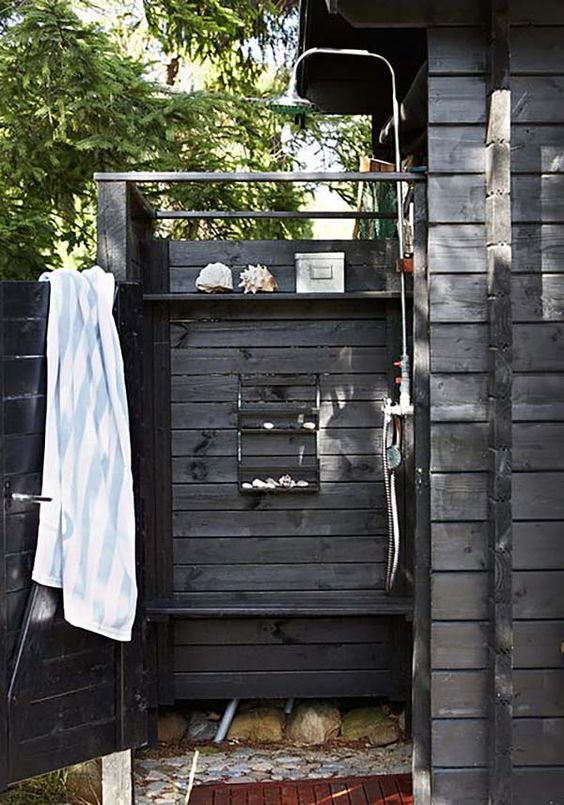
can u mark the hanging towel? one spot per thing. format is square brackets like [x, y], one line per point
[86, 541]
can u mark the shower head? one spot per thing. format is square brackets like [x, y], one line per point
[291, 103]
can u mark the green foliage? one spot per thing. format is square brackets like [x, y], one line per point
[72, 104]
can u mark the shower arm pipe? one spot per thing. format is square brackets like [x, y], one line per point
[405, 394]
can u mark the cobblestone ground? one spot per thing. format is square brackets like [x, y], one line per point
[161, 778]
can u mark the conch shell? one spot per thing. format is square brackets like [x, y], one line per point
[257, 278]
[215, 278]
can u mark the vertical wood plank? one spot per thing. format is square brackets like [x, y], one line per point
[498, 236]
[117, 779]
[3, 591]
[421, 672]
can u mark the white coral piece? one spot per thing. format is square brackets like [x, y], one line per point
[257, 278]
[215, 278]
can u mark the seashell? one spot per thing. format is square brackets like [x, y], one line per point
[257, 278]
[258, 484]
[272, 482]
[302, 484]
[215, 278]
[268, 425]
[286, 481]
[309, 425]
[246, 485]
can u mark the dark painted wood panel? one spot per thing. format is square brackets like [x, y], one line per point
[538, 248]
[464, 694]
[455, 99]
[24, 376]
[459, 447]
[460, 546]
[463, 786]
[375, 277]
[456, 199]
[279, 550]
[537, 99]
[459, 496]
[458, 298]
[459, 596]
[457, 149]
[538, 742]
[197, 497]
[337, 469]
[538, 446]
[457, 248]
[293, 631]
[523, 12]
[458, 397]
[538, 644]
[335, 388]
[270, 577]
[262, 360]
[221, 659]
[24, 337]
[537, 51]
[538, 396]
[529, 783]
[538, 594]
[332, 415]
[460, 743]
[372, 253]
[24, 415]
[283, 684]
[537, 148]
[62, 713]
[21, 531]
[538, 198]
[18, 570]
[538, 496]
[463, 347]
[87, 669]
[25, 299]
[298, 522]
[331, 442]
[262, 307]
[189, 335]
[453, 51]
[457, 348]
[459, 645]
[23, 454]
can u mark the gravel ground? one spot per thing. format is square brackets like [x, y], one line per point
[161, 777]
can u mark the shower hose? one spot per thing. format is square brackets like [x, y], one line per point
[391, 438]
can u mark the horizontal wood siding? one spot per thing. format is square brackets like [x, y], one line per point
[537, 65]
[459, 339]
[228, 545]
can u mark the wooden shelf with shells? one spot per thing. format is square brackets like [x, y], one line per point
[299, 421]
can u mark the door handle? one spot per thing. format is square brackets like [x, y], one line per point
[22, 497]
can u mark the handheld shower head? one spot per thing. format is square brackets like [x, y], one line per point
[291, 103]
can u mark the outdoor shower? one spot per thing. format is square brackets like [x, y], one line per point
[294, 103]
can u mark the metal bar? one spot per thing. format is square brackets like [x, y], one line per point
[284, 214]
[278, 176]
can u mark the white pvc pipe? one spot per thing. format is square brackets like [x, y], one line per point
[226, 720]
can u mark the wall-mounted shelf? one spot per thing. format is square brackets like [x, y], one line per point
[279, 296]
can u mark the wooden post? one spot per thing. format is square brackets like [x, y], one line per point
[3, 580]
[117, 778]
[498, 234]
[421, 685]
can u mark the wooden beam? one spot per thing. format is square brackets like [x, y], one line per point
[117, 779]
[498, 237]
[124, 226]
[272, 176]
[421, 679]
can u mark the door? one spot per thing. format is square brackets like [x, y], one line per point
[66, 695]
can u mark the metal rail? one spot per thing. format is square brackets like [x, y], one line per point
[278, 176]
[270, 214]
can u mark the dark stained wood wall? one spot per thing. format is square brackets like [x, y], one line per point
[459, 337]
[459, 412]
[537, 81]
[229, 546]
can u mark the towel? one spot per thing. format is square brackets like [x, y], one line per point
[86, 540]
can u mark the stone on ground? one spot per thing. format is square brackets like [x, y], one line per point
[264, 725]
[200, 728]
[171, 727]
[370, 723]
[314, 723]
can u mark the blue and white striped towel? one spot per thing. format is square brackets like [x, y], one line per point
[86, 541]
